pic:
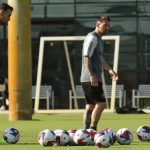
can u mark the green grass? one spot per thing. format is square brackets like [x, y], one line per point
[30, 129]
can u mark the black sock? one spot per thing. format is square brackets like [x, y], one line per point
[94, 128]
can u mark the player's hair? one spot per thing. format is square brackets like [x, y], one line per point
[103, 18]
[5, 7]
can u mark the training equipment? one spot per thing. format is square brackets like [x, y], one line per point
[62, 137]
[143, 133]
[92, 134]
[112, 135]
[82, 137]
[71, 137]
[46, 137]
[102, 139]
[64, 40]
[124, 136]
[11, 135]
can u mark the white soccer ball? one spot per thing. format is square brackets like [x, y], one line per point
[112, 135]
[124, 136]
[11, 135]
[62, 137]
[92, 134]
[82, 137]
[143, 133]
[71, 137]
[46, 137]
[102, 139]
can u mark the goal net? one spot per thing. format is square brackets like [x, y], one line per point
[65, 40]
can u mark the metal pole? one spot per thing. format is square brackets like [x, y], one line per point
[19, 61]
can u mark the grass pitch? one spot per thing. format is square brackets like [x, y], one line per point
[29, 130]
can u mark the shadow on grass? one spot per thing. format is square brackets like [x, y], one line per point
[19, 144]
[35, 120]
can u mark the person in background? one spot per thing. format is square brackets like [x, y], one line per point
[5, 13]
[5, 101]
[93, 64]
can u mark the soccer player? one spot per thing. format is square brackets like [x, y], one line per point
[93, 64]
[5, 13]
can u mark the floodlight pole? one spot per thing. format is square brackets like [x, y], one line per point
[19, 61]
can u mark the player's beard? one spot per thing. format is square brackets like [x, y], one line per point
[104, 32]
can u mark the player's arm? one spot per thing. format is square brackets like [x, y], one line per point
[87, 63]
[106, 66]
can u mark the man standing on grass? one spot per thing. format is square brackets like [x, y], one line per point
[93, 64]
[5, 14]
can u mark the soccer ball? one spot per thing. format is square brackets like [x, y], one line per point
[124, 136]
[11, 135]
[112, 135]
[82, 137]
[46, 137]
[143, 133]
[102, 139]
[71, 137]
[92, 134]
[62, 137]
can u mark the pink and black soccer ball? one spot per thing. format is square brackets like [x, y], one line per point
[62, 137]
[143, 133]
[82, 137]
[92, 134]
[124, 136]
[102, 139]
[47, 137]
[112, 135]
[71, 137]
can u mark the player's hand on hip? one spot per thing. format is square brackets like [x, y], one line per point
[94, 81]
[113, 75]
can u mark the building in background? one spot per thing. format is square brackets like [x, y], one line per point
[130, 20]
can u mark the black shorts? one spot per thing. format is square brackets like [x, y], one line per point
[93, 94]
